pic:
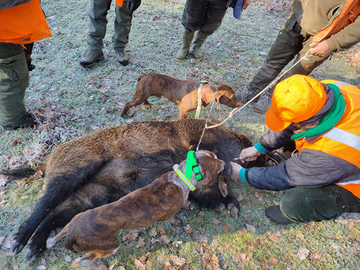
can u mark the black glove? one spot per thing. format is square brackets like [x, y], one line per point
[132, 5]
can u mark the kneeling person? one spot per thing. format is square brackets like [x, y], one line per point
[321, 180]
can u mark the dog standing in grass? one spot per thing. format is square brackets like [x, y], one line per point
[94, 231]
[181, 92]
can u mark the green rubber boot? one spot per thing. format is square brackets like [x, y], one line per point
[199, 40]
[185, 46]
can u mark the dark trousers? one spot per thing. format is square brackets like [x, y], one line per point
[204, 15]
[291, 42]
[303, 204]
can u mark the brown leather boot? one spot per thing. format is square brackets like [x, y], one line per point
[90, 57]
[122, 57]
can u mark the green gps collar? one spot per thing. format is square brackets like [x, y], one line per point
[193, 166]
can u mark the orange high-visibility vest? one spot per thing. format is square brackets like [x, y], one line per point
[120, 2]
[23, 24]
[343, 140]
[347, 15]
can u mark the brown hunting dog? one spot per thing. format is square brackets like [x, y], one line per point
[95, 231]
[181, 92]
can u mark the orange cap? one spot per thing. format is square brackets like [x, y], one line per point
[295, 99]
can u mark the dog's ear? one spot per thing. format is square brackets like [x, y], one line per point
[211, 167]
[225, 90]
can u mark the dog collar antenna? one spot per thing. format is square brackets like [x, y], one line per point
[199, 97]
[183, 177]
[192, 166]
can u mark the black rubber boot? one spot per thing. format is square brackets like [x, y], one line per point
[274, 214]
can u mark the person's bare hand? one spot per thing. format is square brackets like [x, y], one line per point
[235, 171]
[320, 49]
[249, 154]
[246, 4]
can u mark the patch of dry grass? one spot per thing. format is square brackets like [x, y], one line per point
[71, 101]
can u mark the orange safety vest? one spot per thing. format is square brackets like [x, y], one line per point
[119, 2]
[23, 24]
[343, 140]
[347, 15]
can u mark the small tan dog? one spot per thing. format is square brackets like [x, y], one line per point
[181, 92]
[95, 231]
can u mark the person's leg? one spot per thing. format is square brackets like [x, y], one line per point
[286, 46]
[122, 27]
[192, 19]
[14, 79]
[302, 204]
[215, 12]
[98, 23]
[97, 30]
[304, 67]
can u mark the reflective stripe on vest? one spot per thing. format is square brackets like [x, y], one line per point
[344, 137]
[23, 24]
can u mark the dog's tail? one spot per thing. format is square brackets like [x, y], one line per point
[50, 242]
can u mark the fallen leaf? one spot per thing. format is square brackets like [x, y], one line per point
[3, 202]
[168, 265]
[153, 232]
[273, 260]
[226, 227]
[75, 265]
[140, 243]
[300, 235]
[160, 229]
[52, 257]
[302, 253]
[139, 265]
[292, 254]
[250, 228]
[188, 228]
[315, 256]
[343, 221]
[14, 143]
[177, 261]
[243, 256]
[164, 240]
[273, 238]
